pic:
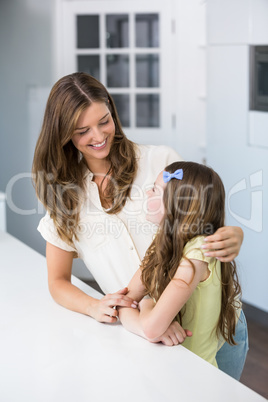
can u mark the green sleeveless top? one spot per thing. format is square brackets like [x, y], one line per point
[201, 312]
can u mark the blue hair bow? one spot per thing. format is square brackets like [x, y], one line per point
[178, 174]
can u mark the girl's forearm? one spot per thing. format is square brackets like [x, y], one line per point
[151, 329]
[136, 321]
[130, 319]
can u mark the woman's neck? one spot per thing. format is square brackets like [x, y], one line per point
[98, 167]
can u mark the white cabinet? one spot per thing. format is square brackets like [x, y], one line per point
[2, 212]
[228, 22]
[258, 22]
[236, 22]
[237, 137]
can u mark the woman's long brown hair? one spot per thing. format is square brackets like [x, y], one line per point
[58, 168]
[194, 206]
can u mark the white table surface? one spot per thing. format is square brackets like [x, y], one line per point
[48, 353]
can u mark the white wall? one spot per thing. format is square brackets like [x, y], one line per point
[190, 78]
[26, 62]
[232, 26]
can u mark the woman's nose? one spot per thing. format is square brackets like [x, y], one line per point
[97, 134]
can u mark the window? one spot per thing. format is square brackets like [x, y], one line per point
[259, 78]
[125, 46]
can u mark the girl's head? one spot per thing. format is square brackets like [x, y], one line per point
[190, 205]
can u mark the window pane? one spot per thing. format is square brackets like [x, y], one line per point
[90, 65]
[117, 30]
[147, 30]
[88, 31]
[117, 70]
[122, 106]
[147, 110]
[263, 78]
[147, 70]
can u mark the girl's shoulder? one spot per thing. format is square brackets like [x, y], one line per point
[195, 242]
[193, 249]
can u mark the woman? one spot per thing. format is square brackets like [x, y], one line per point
[92, 181]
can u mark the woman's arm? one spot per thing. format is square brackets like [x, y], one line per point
[130, 318]
[156, 319]
[59, 265]
[225, 243]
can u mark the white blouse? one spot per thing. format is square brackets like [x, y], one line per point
[112, 246]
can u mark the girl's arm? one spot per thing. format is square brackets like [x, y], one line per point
[130, 318]
[59, 265]
[156, 319]
[225, 243]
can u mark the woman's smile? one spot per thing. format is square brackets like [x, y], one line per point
[99, 146]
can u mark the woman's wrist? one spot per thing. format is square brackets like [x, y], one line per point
[92, 307]
[240, 234]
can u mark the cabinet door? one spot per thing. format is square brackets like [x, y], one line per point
[128, 46]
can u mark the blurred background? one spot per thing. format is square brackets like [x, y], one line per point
[190, 74]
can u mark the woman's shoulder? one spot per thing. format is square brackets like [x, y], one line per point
[156, 151]
[151, 160]
[49, 233]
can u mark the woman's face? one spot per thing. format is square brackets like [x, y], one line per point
[94, 133]
[155, 206]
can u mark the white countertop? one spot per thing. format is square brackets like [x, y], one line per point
[51, 354]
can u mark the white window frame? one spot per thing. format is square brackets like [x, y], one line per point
[66, 11]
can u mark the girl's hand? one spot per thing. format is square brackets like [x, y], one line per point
[174, 335]
[104, 310]
[224, 244]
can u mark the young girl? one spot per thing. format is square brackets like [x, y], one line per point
[187, 202]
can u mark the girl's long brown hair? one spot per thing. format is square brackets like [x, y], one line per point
[58, 168]
[194, 206]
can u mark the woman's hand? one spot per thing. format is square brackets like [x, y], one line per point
[224, 244]
[104, 310]
[174, 335]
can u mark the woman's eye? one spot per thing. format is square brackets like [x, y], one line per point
[83, 132]
[104, 122]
